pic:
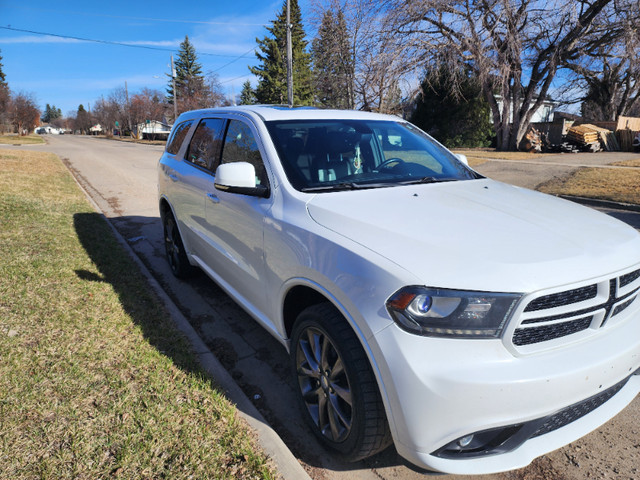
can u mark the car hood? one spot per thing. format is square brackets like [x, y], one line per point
[481, 234]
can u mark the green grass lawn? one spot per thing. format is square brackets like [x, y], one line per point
[95, 381]
[14, 139]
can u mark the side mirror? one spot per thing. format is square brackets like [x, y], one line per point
[239, 177]
[462, 158]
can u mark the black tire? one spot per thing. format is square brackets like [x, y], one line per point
[174, 248]
[337, 390]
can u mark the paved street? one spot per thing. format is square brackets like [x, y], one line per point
[121, 178]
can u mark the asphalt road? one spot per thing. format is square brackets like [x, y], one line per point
[121, 178]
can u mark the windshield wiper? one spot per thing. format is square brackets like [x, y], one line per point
[427, 180]
[333, 187]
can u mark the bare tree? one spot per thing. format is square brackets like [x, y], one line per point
[24, 113]
[376, 63]
[106, 113]
[515, 47]
[610, 73]
[146, 105]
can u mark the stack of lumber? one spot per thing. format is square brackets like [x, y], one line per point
[588, 135]
[583, 134]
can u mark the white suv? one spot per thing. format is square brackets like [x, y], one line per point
[476, 324]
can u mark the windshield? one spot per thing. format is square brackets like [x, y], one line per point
[326, 155]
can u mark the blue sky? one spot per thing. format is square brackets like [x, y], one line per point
[67, 72]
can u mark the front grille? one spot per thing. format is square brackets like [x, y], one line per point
[629, 278]
[623, 306]
[562, 314]
[563, 298]
[577, 410]
[528, 336]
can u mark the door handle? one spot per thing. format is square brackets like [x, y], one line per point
[172, 177]
[213, 197]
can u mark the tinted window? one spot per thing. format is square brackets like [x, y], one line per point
[240, 146]
[177, 137]
[204, 148]
[348, 154]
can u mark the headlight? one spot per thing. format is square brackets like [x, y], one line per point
[437, 312]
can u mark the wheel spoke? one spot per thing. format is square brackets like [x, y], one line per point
[324, 360]
[322, 413]
[337, 370]
[337, 411]
[306, 348]
[333, 424]
[313, 395]
[343, 393]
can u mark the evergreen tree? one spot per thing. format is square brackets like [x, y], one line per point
[51, 113]
[4, 100]
[333, 65]
[83, 120]
[192, 90]
[3, 78]
[247, 95]
[272, 54]
[456, 120]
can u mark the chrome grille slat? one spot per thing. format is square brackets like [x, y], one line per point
[629, 278]
[568, 312]
[563, 298]
[528, 336]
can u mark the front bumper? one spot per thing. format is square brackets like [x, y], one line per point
[440, 390]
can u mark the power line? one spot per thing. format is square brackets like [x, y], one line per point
[121, 44]
[244, 55]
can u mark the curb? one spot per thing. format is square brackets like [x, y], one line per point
[286, 463]
[602, 203]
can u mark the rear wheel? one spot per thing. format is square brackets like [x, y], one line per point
[174, 248]
[337, 389]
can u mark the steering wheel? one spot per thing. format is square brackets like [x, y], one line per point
[388, 162]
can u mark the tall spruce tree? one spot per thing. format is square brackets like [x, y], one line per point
[51, 113]
[5, 96]
[247, 95]
[272, 54]
[192, 90]
[333, 65]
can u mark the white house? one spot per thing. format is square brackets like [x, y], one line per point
[543, 114]
[48, 129]
[153, 129]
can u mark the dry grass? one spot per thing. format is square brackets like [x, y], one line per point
[478, 156]
[95, 382]
[14, 139]
[628, 163]
[619, 185]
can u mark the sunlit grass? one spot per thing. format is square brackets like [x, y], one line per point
[14, 139]
[619, 185]
[95, 382]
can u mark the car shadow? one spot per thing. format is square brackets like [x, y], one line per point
[274, 399]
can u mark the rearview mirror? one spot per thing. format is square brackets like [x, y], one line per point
[239, 177]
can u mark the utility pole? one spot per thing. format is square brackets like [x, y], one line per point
[175, 96]
[289, 59]
[126, 93]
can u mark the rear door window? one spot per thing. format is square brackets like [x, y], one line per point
[177, 137]
[204, 149]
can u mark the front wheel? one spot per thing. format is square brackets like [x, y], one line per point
[337, 390]
[174, 248]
